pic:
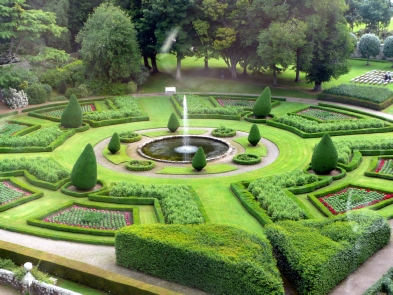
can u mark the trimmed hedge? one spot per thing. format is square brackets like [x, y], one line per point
[325, 157]
[38, 221]
[355, 101]
[81, 194]
[249, 117]
[247, 159]
[129, 137]
[383, 285]
[80, 272]
[140, 165]
[355, 162]
[373, 165]
[223, 132]
[34, 194]
[9, 114]
[316, 255]
[218, 259]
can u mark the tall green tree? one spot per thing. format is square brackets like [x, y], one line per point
[388, 47]
[369, 45]
[19, 24]
[109, 47]
[375, 14]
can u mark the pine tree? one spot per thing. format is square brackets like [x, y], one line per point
[199, 161]
[262, 106]
[84, 172]
[173, 123]
[72, 114]
[114, 144]
[254, 136]
[325, 157]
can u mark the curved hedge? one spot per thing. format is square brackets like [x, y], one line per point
[209, 257]
[247, 159]
[129, 137]
[315, 255]
[223, 132]
[81, 194]
[140, 165]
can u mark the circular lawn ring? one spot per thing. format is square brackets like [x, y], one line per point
[224, 132]
[247, 159]
[140, 165]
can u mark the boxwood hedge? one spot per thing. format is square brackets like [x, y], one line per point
[315, 255]
[218, 259]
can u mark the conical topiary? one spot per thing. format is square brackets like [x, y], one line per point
[114, 144]
[199, 160]
[254, 136]
[173, 123]
[84, 172]
[72, 114]
[325, 157]
[262, 106]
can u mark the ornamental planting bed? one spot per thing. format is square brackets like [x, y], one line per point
[385, 166]
[10, 193]
[325, 115]
[8, 129]
[236, 103]
[91, 218]
[57, 113]
[351, 198]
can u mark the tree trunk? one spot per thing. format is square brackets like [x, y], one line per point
[178, 67]
[368, 59]
[11, 47]
[297, 78]
[245, 71]
[274, 77]
[154, 63]
[18, 46]
[317, 86]
[206, 61]
[146, 61]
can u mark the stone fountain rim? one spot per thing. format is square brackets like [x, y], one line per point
[230, 150]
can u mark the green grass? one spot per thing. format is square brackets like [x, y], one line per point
[72, 286]
[118, 158]
[259, 150]
[178, 132]
[209, 169]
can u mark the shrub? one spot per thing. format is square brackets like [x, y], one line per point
[325, 157]
[54, 76]
[199, 160]
[84, 172]
[132, 87]
[47, 88]
[83, 91]
[262, 106]
[315, 255]
[129, 136]
[114, 144]
[72, 114]
[61, 86]
[369, 45]
[140, 165]
[218, 259]
[247, 159]
[58, 98]
[15, 99]
[254, 136]
[369, 93]
[388, 47]
[224, 132]
[36, 94]
[73, 91]
[173, 123]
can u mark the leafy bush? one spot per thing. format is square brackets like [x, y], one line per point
[47, 88]
[388, 47]
[247, 159]
[140, 165]
[84, 172]
[177, 202]
[218, 259]
[383, 285]
[40, 138]
[262, 106]
[114, 143]
[325, 157]
[36, 94]
[173, 123]
[46, 169]
[315, 255]
[269, 192]
[224, 132]
[61, 86]
[74, 91]
[72, 114]
[369, 93]
[199, 160]
[254, 136]
[129, 136]
[131, 87]
[17, 78]
[369, 45]
[54, 76]
[15, 99]
[58, 98]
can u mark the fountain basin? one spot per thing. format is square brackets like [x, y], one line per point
[171, 149]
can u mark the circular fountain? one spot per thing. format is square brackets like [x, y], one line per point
[173, 150]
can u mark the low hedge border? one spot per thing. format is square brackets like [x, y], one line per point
[80, 272]
[252, 159]
[355, 101]
[355, 162]
[228, 132]
[313, 198]
[329, 109]
[35, 181]
[179, 110]
[58, 104]
[82, 128]
[249, 202]
[9, 114]
[96, 124]
[199, 204]
[342, 173]
[37, 221]
[24, 131]
[331, 133]
[254, 120]
[81, 194]
[35, 149]
[132, 139]
[34, 194]
[373, 165]
[100, 197]
[383, 286]
[134, 165]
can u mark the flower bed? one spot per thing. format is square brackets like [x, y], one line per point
[9, 193]
[351, 198]
[324, 115]
[236, 103]
[8, 129]
[385, 166]
[57, 113]
[91, 218]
